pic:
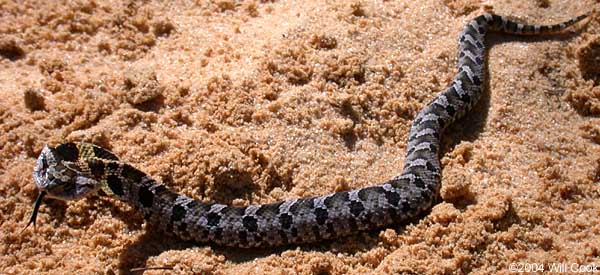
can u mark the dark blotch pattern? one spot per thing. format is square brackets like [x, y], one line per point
[115, 185]
[479, 61]
[450, 110]
[465, 98]
[336, 197]
[132, 174]
[250, 223]
[285, 220]
[356, 208]
[406, 207]
[431, 167]
[392, 197]
[178, 213]
[68, 151]
[321, 215]
[146, 196]
[414, 190]
[103, 153]
[96, 168]
[476, 80]
[213, 219]
[418, 182]
[301, 205]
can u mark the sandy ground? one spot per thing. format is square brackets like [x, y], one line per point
[260, 101]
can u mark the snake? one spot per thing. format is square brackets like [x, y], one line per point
[75, 170]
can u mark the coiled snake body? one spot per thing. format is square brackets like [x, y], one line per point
[74, 170]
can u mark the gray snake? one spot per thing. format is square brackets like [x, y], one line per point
[74, 170]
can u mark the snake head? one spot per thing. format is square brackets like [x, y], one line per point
[60, 174]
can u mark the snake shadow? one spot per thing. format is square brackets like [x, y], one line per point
[153, 242]
[470, 127]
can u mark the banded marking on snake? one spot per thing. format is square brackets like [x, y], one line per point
[75, 170]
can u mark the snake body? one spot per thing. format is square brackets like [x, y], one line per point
[74, 170]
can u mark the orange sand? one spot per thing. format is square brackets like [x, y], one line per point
[262, 101]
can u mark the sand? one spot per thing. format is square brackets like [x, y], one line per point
[261, 101]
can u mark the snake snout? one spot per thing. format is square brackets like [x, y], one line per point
[61, 178]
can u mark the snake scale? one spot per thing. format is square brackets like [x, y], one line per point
[74, 170]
